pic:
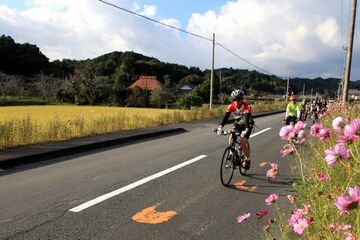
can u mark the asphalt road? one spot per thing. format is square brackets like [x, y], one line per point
[145, 192]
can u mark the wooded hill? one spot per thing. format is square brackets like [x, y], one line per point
[112, 73]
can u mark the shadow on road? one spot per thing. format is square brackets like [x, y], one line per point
[283, 182]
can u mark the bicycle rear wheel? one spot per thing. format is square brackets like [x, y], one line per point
[227, 166]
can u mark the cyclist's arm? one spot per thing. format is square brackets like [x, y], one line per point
[225, 119]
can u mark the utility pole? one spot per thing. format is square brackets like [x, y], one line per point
[212, 72]
[311, 94]
[287, 89]
[304, 90]
[220, 85]
[349, 52]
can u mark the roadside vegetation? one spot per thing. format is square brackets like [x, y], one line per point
[325, 203]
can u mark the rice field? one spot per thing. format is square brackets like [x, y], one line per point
[23, 125]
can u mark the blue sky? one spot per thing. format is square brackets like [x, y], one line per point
[297, 38]
[18, 4]
[182, 10]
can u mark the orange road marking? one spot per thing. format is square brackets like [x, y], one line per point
[240, 185]
[262, 164]
[151, 216]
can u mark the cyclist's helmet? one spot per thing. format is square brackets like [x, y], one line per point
[238, 94]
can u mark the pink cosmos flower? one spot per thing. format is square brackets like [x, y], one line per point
[353, 128]
[300, 226]
[243, 217]
[340, 152]
[315, 129]
[287, 149]
[354, 193]
[271, 173]
[271, 199]
[274, 165]
[338, 124]
[299, 126]
[322, 177]
[346, 139]
[262, 213]
[295, 216]
[324, 134]
[301, 133]
[286, 132]
[345, 203]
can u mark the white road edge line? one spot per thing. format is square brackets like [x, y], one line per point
[133, 185]
[255, 134]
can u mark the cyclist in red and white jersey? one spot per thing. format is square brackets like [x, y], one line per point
[243, 124]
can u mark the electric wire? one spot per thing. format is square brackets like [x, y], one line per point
[187, 32]
[236, 55]
[156, 21]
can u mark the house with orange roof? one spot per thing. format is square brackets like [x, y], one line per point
[148, 82]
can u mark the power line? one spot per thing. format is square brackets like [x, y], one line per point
[153, 20]
[236, 55]
[187, 32]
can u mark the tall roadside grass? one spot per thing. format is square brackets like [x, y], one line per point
[328, 193]
[24, 125]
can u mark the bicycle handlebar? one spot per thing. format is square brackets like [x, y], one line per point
[224, 132]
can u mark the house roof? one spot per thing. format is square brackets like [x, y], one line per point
[148, 82]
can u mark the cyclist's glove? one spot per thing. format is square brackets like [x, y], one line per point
[219, 131]
[243, 134]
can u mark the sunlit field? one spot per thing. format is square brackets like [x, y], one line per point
[39, 124]
[23, 125]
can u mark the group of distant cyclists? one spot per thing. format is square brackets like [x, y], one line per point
[244, 123]
[305, 109]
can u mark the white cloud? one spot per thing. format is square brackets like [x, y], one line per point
[171, 22]
[299, 37]
[149, 11]
[328, 32]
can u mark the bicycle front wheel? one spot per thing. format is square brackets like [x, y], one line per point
[227, 166]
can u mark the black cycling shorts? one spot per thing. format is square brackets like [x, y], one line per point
[241, 127]
[290, 119]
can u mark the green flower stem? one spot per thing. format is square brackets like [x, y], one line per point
[301, 164]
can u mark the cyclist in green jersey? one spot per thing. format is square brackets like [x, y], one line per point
[293, 110]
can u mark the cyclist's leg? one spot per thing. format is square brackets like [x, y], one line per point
[245, 147]
[291, 120]
[288, 120]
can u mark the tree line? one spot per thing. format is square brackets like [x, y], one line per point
[26, 71]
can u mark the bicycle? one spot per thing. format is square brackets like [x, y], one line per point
[233, 158]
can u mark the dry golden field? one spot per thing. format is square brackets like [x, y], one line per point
[22, 125]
